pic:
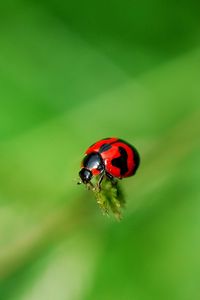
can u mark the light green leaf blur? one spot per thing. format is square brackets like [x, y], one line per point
[72, 73]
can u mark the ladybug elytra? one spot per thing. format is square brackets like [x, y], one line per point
[110, 157]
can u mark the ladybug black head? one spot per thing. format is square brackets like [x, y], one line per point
[85, 175]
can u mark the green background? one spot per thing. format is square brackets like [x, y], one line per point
[71, 74]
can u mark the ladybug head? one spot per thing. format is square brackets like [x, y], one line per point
[85, 175]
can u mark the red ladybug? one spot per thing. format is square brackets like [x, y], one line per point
[111, 157]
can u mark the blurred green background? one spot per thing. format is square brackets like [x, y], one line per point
[72, 73]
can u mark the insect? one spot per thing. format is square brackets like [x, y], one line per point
[110, 157]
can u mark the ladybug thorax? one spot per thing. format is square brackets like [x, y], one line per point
[93, 162]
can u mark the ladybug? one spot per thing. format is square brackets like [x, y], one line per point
[110, 157]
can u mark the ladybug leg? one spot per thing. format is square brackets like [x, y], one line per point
[109, 176]
[112, 179]
[100, 180]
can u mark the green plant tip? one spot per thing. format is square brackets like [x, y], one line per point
[110, 198]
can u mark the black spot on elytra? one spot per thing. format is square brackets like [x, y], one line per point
[136, 156]
[121, 161]
[104, 148]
